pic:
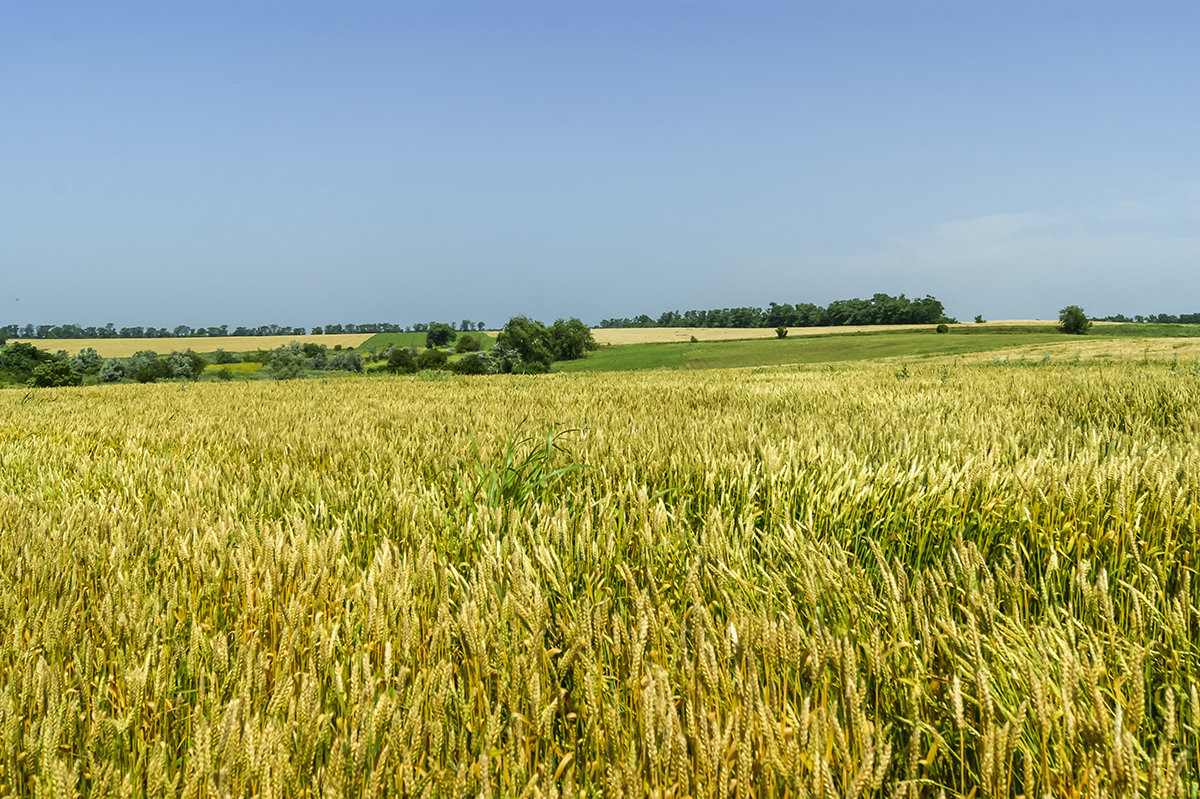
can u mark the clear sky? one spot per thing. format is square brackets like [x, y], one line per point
[296, 162]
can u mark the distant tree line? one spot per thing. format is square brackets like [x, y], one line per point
[29, 331]
[1160, 319]
[881, 309]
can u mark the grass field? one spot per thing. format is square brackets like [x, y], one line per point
[124, 347]
[976, 580]
[662, 335]
[813, 349]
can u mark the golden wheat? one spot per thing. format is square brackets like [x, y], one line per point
[788, 583]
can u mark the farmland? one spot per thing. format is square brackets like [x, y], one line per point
[124, 347]
[842, 581]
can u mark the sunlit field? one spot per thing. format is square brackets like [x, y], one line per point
[838, 581]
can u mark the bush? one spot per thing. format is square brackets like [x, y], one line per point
[431, 359]
[978, 319]
[18, 360]
[147, 367]
[225, 373]
[467, 344]
[1072, 319]
[943, 328]
[345, 361]
[781, 332]
[55, 373]
[286, 365]
[186, 365]
[88, 361]
[400, 362]
[473, 363]
[223, 357]
[111, 371]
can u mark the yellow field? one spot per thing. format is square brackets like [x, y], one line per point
[1184, 350]
[124, 347]
[649, 335]
[973, 580]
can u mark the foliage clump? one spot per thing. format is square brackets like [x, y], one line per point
[1072, 319]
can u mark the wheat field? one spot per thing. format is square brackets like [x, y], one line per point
[840, 582]
[124, 347]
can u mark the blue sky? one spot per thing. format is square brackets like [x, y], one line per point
[298, 163]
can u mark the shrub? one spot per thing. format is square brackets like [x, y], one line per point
[111, 371]
[978, 319]
[88, 361]
[467, 344]
[781, 332]
[431, 359]
[346, 360]
[400, 362]
[942, 328]
[285, 364]
[223, 357]
[55, 373]
[473, 363]
[225, 373]
[147, 367]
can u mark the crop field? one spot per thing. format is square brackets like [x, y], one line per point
[846, 581]
[124, 347]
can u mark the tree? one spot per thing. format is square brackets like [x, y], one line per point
[1072, 319]
[781, 332]
[570, 339]
[529, 340]
[439, 334]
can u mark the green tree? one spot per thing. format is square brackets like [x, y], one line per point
[529, 341]
[570, 339]
[439, 334]
[1072, 319]
[781, 332]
